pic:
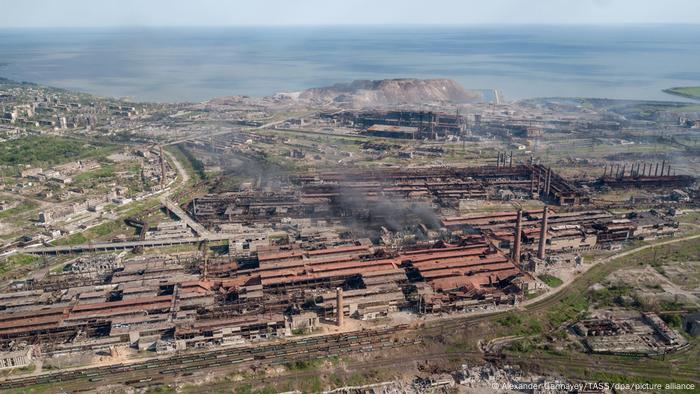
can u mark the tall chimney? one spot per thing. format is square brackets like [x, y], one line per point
[498, 161]
[516, 241]
[543, 234]
[548, 182]
[339, 306]
[510, 160]
[663, 164]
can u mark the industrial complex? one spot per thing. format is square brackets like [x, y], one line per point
[252, 233]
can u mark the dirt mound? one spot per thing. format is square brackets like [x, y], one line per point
[390, 92]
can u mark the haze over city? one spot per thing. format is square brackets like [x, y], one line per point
[86, 13]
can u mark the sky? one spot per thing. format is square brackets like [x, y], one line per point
[151, 13]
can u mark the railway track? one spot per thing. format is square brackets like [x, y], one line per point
[630, 367]
[146, 372]
[269, 354]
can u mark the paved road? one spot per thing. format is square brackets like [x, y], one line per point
[183, 216]
[564, 285]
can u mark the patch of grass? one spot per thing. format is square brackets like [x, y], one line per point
[162, 389]
[516, 325]
[34, 389]
[606, 297]
[49, 150]
[24, 206]
[100, 231]
[17, 260]
[550, 280]
[512, 319]
[105, 228]
[631, 379]
[73, 239]
[674, 320]
[298, 331]
[96, 175]
[457, 347]
[303, 365]
[521, 346]
[568, 308]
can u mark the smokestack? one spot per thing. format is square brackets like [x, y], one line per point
[498, 161]
[516, 242]
[668, 173]
[656, 171]
[548, 182]
[663, 164]
[510, 160]
[605, 171]
[339, 306]
[644, 169]
[541, 250]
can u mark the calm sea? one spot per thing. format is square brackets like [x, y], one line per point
[189, 64]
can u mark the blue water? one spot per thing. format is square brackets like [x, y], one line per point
[188, 64]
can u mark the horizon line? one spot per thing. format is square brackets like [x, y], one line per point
[373, 25]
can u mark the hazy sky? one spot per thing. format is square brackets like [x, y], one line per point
[79, 13]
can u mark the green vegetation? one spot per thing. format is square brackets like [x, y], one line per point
[73, 239]
[569, 308]
[34, 389]
[303, 365]
[517, 326]
[17, 260]
[248, 389]
[298, 331]
[692, 92]
[96, 175]
[101, 231]
[49, 150]
[193, 166]
[631, 380]
[24, 206]
[605, 297]
[162, 389]
[510, 320]
[550, 280]
[674, 320]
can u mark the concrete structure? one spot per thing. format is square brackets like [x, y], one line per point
[541, 249]
[16, 359]
[518, 237]
[339, 306]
